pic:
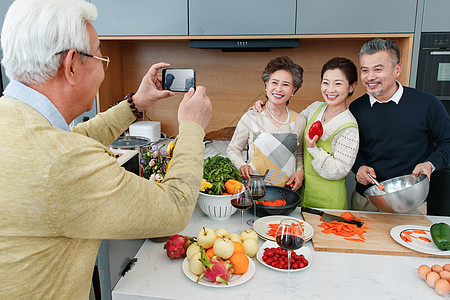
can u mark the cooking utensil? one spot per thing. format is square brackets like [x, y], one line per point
[137, 143]
[329, 218]
[292, 199]
[405, 193]
[273, 177]
[377, 183]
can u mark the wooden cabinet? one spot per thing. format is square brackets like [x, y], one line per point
[436, 16]
[232, 79]
[141, 17]
[356, 16]
[241, 17]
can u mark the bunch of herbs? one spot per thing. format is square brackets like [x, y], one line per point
[217, 170]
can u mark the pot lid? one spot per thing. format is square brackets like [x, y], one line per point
[130, 142]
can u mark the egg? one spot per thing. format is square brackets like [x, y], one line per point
[445, 275]
[432, 277]
[442, 287]
[447, 267]
[423, 271]
[437, 268]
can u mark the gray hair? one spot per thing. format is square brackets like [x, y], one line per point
[34, 30]
[284, 63]
[376, 45]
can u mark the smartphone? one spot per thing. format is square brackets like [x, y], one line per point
[178, 80]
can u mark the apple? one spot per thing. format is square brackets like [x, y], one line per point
[206, 237]
[222, 232]
[192, 249]
[251, 247]
[223, 248]
[249, 234]
[195, 265]
[235, 237]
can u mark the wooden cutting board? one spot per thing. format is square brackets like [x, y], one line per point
[378, 237]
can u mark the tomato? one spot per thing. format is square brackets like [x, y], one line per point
[277, 258]
[316, 129]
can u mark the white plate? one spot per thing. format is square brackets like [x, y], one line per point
[416, 243]
[269, 244]
[261, 226]
[233, 281]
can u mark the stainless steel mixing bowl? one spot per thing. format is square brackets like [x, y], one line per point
[403, 193]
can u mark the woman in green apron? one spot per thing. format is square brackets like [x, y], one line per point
[273, 137]
[329, 159]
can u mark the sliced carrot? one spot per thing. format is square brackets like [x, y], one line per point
[424, 239]
[354, 240]
[274, 227]
[406, 237]
[348, 216]
[419, 231]
[278, 202]
[343, 229]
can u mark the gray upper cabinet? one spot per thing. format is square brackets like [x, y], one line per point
[246, 17]
[141, 17]
[436, 16]
[356, 16]
[4, 5]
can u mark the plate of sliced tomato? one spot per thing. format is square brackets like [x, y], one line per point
[266, 227]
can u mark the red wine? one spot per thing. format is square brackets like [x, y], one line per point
[241, 205]
[289, 241]
[258, 194]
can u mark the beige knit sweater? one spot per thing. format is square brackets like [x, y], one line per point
[62, 192]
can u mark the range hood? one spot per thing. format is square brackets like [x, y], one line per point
[244, 44]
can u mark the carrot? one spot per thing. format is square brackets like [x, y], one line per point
[274, 227]
[354, 240]
[406, 237]
[344, 229]
[424, 239]
[281, 202]
[419, 231]
[348, 216]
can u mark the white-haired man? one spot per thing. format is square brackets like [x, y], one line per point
[62, 190]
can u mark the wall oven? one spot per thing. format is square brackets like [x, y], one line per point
[433, 77]
[433, 73]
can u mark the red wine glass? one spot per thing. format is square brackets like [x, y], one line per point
[290, 236]
[242, 201]
[258, 191]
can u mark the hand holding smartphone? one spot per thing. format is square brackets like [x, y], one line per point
[178, 80]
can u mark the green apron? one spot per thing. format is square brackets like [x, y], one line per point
[316, 190]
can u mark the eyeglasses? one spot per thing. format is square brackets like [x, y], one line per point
[104, 59]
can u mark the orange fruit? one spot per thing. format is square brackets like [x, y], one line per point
[238, 247]
[240, 262]
[210, 253]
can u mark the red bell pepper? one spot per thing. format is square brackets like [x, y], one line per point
[316, 129]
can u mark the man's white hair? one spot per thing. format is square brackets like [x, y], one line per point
[34, 30]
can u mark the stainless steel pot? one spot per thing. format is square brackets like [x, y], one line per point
[138, 143]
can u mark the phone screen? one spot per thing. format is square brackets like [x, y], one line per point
[178, 80]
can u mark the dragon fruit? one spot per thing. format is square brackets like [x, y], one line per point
[216, 269]
[177, 244]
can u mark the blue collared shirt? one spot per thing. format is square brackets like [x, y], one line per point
[36, 100]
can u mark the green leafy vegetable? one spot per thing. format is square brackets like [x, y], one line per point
[217, 170]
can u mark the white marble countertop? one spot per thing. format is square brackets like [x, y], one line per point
[330, 275]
